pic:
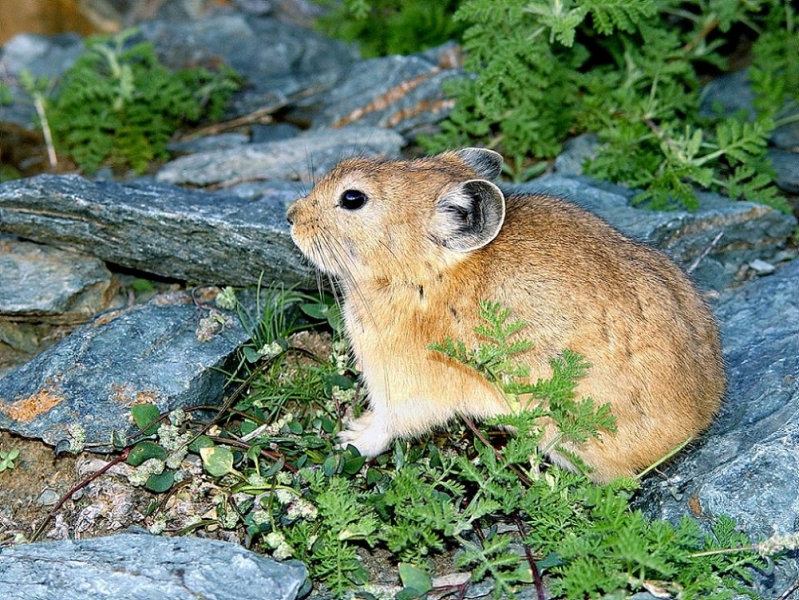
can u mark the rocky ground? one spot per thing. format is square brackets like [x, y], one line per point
[72, 248]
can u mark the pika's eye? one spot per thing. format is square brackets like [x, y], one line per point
[352, 200]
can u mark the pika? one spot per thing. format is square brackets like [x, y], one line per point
[416, 245]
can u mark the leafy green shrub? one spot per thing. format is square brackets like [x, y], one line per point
[384, 27]
[629, 71]
[118, 105]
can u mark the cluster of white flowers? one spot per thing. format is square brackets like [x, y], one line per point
[268, 351]
[177, 417]
[285, 495]
[343, 397]
[280, 547]
[340, 356]
[778, 543]
[284, 478]
[275, 427]
[302, 509]
[214, 323]
[226, 299]
[260, 516]
[140, 475]
[77, 438]
[158, 526]
[173, 441]
[230, 518]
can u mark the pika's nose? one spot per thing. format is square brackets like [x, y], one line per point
[290, 214]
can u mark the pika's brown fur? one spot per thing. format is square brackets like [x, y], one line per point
[416, 244]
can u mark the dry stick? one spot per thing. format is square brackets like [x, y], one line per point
[122, 457]
[48, 136]
[262, 115]
[787, 593]
[539, 584]
[522, 477]
[705, 252]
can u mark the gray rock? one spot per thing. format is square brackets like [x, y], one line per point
[41, 56]
[273, 132]
[749, 231]
[399, 92]
[21, 337]
[787, 137]
[786, 164]
[223, 141]
[731, 94]
[305, 157]
[148, 353]
[761, 267]
[43, 284]
[160, 229]
[747, 466]
[727, 95]
[145, 567]
[277, 60]
[575, 152]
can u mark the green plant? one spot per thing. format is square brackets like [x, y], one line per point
[7, 459]
[384, 27]
[6, 98]
[118, 105]
[490, 500]
[627, 70]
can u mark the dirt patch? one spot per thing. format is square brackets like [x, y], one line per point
[38, 478]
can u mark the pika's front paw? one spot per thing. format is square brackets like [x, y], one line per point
[367, 434]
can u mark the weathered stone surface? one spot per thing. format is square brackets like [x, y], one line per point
[160, 229]
[747, 465]
[399, 92]
[277, 60]
[223, 141]
[147, 353]
[44, 284]
[41, 56]
[748, 231]
[145, 567]
[786, 164]
[733, 93]
[304, 157]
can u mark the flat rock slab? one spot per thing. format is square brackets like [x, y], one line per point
[747, 465]
[277, 60]
[152, 353]
[403, 93]
[748, 231]
[160, 229]
[145, 567]
[305, 157]
[44, 284]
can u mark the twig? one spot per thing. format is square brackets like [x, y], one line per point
[708, 27]
[122, 457]
[705, 252]
[48, 136]
[787, 593]
[537, 581]
[262, 115]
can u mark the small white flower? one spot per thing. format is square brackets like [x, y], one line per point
[270, 350]
[274, 539]
[226, 299]
[284, 495]
[283, 551]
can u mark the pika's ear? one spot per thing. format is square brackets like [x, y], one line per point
[469, 215]
[486, 163]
